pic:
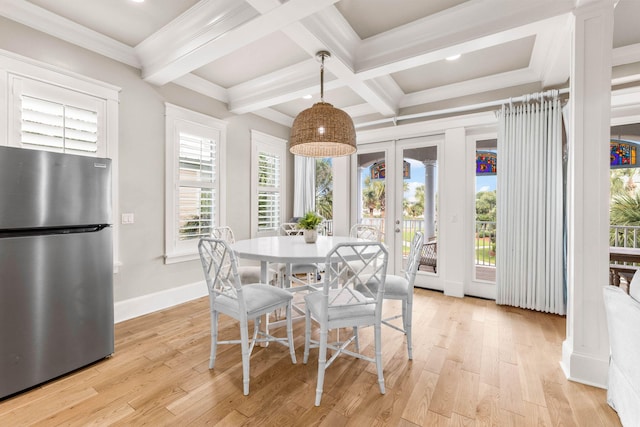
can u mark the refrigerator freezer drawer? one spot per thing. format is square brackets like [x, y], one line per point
[56, 306]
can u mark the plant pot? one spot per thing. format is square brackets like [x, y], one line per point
[310, 236]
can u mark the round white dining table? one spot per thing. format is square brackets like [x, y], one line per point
[287, 250]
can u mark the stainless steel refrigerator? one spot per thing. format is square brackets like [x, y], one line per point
[56, 265]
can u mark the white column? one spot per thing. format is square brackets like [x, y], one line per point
[429, 198]
[451, 213]
[341, 196]
[585, 352]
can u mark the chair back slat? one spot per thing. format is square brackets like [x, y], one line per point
[367, 232]
[220, 267]
[414, 257]
[351, 269]
[290, 229]
[224, 233]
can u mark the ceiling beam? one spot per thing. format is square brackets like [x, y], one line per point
[471, 26]
[200, 45]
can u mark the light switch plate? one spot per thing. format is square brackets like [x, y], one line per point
[127, 218]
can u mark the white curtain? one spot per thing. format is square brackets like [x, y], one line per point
[529, 243]
[304, 185]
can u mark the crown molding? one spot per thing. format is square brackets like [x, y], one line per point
[425, 128]
[275, 116]
[626, 54]
[471, 87]
[203, 86]
[359, 110]
[54, 25]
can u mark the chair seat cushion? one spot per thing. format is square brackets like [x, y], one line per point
[395, 287]
[347, 305]
[257, 296]
[251, 274]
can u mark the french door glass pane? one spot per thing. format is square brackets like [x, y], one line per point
[419, 207]
[486, 196]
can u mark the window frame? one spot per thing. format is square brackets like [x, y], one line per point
[179, 119]
[262, 142]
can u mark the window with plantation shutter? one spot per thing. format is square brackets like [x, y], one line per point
[53, 118]
[195, 150]
[197, 192]
[268, 191]
[54, 126]
[268, 178]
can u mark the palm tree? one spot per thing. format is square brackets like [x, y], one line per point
[622, 181]
[369, 200]
[625, 211]
[324, 188]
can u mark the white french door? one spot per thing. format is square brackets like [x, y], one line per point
[396, 188]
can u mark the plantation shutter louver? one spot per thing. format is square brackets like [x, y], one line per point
[196, 188]
[58, 127]
[268, 191]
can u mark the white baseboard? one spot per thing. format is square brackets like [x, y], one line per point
[134, 307]
[584, 368]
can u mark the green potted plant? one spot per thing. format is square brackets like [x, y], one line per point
[309, 223]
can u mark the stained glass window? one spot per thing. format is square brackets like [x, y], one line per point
[486, 163]
[623, 154]
[378, 170]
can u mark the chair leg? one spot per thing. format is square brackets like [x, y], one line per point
[244, 345]
[292, 350]
[214, 339]
[356, 341]
[322, 363]
[378, 339]
[307, 336]
[407, 314]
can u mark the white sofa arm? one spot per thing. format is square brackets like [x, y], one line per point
[623, 320]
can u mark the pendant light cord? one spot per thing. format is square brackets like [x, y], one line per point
[322, 79]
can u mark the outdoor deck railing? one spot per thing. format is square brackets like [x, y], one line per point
[625, 236]
[485, 242]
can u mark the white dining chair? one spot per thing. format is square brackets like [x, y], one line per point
[343, 302]
[401, 288]
[247, 273]
[310, 270]
[366, 231]
[241, 302]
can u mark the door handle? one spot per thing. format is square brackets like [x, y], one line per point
[397, 230]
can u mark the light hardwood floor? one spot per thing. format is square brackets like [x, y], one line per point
[475, 363]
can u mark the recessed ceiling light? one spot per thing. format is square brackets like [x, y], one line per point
[138, 1]
[307, 97]
[453, 57]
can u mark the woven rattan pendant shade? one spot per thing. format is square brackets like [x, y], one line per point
[323, 130]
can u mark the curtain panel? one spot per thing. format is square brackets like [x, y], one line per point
[529, 241]
[304, 185]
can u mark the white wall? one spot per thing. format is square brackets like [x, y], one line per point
[142, 165]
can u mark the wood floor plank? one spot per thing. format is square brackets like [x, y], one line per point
[510, 389]
[475, 363]
[417, 407]
[488, 407]
[444, 396]
[467, 396]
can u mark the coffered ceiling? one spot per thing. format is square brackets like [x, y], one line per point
[388, 56]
